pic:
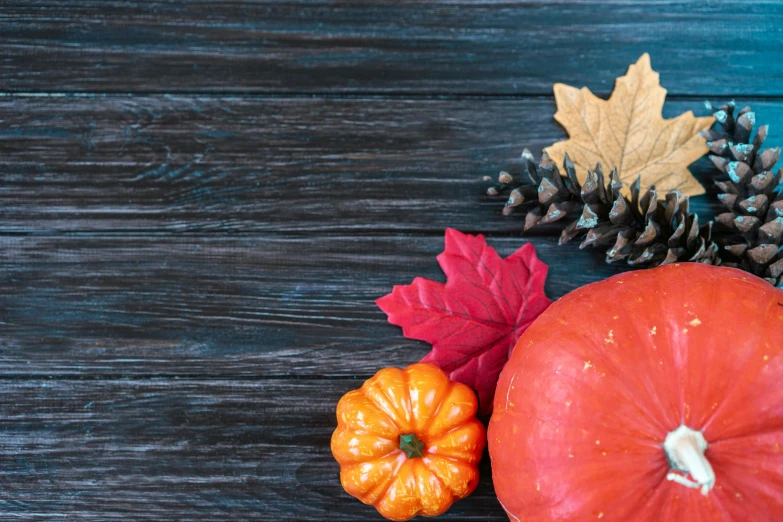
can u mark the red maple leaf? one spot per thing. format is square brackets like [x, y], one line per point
[474, 320]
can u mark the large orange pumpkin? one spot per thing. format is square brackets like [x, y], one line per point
[652, 396]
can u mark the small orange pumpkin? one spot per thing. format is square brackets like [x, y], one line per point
[408, 442]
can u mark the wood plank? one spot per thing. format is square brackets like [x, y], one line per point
[252, 307]
[250, 164]
[446, 46]
[181, 450]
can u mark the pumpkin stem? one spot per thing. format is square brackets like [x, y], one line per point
[411, 445]
[685, 449]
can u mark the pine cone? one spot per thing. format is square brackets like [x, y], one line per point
[642, 231]
[751, 191]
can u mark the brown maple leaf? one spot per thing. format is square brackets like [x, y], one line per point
[628, 132]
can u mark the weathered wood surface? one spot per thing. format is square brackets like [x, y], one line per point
[191, 245]
[201, 306]
[164, 449]
[392, 47]
[272, 165]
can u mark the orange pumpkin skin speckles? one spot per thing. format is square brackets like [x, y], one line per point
[441, 414]
[595, 385]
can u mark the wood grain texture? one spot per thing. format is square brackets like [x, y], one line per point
[260, 165]
[163, 449]
[251, 307]
[394, 47]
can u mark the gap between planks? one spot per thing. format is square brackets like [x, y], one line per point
[366, 95]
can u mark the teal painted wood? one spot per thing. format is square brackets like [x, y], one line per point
[196, 449]
[715, 47]
[207, 164]
[245, 306]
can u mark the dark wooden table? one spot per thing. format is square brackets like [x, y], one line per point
[200, 202]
